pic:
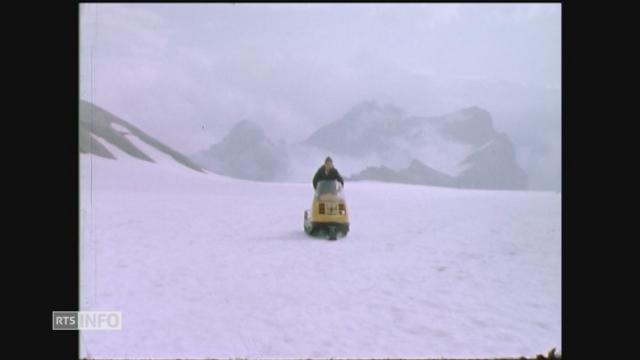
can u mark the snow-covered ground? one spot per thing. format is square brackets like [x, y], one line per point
[206, 266]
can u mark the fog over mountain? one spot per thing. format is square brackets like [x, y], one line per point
[376, 141]
[304, 78]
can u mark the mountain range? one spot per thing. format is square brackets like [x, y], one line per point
[379, 142]
[371, 141]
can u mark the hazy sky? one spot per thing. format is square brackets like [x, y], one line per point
[187, 72]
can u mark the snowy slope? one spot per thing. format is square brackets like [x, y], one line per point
[100, 129]
[206, 266]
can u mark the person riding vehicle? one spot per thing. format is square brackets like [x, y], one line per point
[327, 172]
[328, 213]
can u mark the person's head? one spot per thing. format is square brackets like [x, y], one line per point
[328, 163]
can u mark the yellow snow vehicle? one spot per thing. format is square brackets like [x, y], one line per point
[328, 214]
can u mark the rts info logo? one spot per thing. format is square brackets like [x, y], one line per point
[87, 320]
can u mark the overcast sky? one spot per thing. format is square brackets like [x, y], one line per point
[187, 72]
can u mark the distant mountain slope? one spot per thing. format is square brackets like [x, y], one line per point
[246, 153]
[367, 128]
[472, 126]
[97, 125]
[417, 173]
[385, 131]
[493, 166]
[460, 149]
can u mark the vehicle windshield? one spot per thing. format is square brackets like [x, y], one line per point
[329, 188]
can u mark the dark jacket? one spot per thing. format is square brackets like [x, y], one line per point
[332, 175]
